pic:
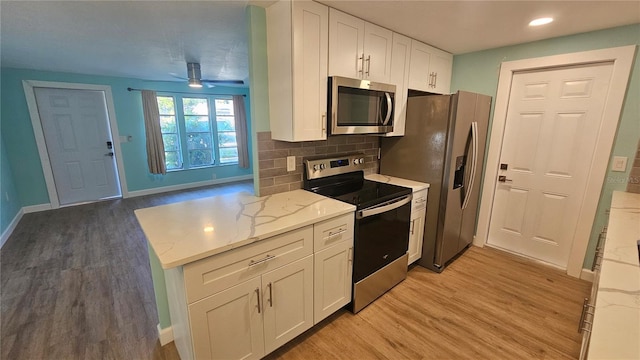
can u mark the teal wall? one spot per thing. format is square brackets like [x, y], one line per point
[479, 72]
[258, 73]
[21, 148]
[10, 203]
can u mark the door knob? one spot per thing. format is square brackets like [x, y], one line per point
[110, 153]
[503, 178]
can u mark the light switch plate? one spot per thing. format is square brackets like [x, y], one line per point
[291, 163]
[619, 163]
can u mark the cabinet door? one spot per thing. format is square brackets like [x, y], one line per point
[332, 279]
[416, 235]
[346, 45]
[288, 302]
[419, 66]
[310, 49]
[440, 69]
[228, 325]
[377, 53]
[400, 58]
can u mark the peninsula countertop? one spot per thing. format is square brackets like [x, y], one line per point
[187, 231]
[616, 325]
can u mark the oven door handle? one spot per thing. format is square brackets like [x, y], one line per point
[384, 207]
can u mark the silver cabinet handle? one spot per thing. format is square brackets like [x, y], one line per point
[368, 64]
[335, 234]
[350, 256]
[384, 207]
[412, 226]
[435, 79]
[270, 295]
[258, 294]
[266, 258]
[361, 59]
[324, 122]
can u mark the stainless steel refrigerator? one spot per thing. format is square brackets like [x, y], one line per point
[443, 145]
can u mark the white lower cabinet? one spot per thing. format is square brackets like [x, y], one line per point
[416, 230]
[416, 234]
[256, 317]
[247, 302]
[287, 302]
[229, 324]
[333, 268]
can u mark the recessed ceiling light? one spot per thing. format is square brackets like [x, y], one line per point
[540, 21]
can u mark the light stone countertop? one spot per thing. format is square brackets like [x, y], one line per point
[415, 185]
[616, 325]
[187, 231]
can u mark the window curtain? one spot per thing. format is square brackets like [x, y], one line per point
[153, 133]
[241, 130]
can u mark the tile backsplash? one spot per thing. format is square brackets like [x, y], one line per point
[633, 185]
[272, 157]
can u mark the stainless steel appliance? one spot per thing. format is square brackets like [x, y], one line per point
[383, 212]
[444, 145]
[360, 106]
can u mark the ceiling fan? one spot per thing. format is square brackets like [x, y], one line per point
[196, 81]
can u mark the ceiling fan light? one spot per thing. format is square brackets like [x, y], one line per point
[195, 83]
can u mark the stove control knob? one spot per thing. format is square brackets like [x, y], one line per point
[322, 166]
[361, 160]
[316, 167]
[355, 161]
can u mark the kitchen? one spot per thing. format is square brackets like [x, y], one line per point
[476, 61]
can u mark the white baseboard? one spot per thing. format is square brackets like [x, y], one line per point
[36, 208]
[188, 186]
[587, 275]
[12, 226]
[165, 335]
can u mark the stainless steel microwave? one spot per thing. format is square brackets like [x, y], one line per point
[360, 106]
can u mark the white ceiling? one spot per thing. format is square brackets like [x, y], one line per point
[154, 39]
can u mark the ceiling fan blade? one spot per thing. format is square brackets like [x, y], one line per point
[223, 82]
[178, 76]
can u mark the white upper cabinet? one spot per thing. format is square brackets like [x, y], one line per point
[297, 48]
[430, 69]
[358, 49]
[400, 59]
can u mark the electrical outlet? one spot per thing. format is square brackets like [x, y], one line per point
[291, 163]
[619, 164]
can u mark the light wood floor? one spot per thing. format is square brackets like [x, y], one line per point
[75, 284]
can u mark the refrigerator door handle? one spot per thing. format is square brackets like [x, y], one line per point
[474, 163]
[389, 109]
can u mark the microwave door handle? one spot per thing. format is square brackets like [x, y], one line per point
[389, 109]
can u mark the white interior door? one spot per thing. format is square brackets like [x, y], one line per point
[551, 132]
[79, 143]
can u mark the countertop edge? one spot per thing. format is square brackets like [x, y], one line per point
[251, 240]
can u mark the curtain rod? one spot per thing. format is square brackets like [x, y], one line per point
[184, 92]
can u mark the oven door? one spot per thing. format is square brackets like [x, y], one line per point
[381, 236]
[360, 106]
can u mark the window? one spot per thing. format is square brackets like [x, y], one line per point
[203, 128]
[169, 128]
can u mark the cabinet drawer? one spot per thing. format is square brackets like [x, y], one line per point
[219, 272]
[332, 231]
[419, 201]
